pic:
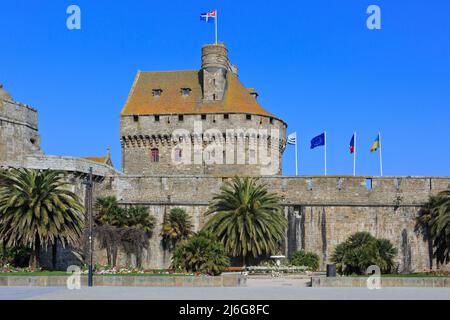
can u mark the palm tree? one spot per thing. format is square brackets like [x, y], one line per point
[177, 227]
[109, 212]
[435, 222]
[202, 253]
[362, 250]
[36, 210]
[247, 219]
[127, 227]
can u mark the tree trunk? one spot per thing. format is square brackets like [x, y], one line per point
[243, 261]
[54, 254]
[35, 255]
[3, 261]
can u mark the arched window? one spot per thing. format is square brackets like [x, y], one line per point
[155, 155]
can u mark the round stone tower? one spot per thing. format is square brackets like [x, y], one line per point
[199, 122]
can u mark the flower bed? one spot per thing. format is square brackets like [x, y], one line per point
[272, 269]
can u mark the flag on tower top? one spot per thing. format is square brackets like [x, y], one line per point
[209, 16]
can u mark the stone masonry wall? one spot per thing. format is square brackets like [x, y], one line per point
[19, 135]
[322, 211]
[141, 134]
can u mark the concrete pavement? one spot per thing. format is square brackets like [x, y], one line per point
[243, 293]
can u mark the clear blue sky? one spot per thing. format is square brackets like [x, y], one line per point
[314, 63]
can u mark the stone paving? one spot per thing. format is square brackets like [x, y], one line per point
[257, 292]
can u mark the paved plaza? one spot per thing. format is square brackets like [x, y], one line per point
[244, 293]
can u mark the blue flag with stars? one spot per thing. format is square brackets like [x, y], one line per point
[318, 141]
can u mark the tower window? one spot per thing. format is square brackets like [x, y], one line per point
[178, 154]
[271, 120]
[180, 117]
[203, 116]
[156, 92]
[136, 118]
[249, 117]
[185, 91]
[226, 116]
[155, 155]
[156, 118]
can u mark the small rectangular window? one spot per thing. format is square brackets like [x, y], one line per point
[249, 117]
[180, 117]
[155, 155]
[271, 120]
[203, 116]
[226, 116]
[156, 92]
[156, 118]
[136, 118]
[185, 92]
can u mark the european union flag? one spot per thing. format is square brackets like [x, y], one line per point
[318, 141]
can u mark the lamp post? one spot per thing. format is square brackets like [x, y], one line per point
[89, 184]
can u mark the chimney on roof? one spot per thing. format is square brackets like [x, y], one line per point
[215, 66]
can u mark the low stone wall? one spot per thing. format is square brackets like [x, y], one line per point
[345, 282]
[225, 280]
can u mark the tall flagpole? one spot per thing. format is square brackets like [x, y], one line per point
[354, 154]
[381, 156]
[325, 136]
[296, 154]
[215, 20]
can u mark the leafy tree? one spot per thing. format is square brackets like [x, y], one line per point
[434, 221]
[37, 210]
[247, 219]
[362, 250]
[177, 227]
[305, 259]
[202, 253]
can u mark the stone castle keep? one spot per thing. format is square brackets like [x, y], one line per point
[183, 133]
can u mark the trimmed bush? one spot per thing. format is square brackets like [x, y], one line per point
[305, 259]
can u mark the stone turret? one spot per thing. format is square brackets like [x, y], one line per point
[215, 66]
[19, 136]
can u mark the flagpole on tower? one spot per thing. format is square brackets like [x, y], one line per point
[381, 156]
[354, 155]
[215, 22]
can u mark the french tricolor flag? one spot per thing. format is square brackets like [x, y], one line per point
[209, 16]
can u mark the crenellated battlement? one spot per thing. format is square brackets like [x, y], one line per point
[311, 190]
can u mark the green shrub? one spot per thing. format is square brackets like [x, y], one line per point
[362, 250]
[18, 257]
[202, 253]
[305, 259]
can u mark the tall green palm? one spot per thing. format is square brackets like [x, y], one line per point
[435, 219]
[177, 227]
[37, 210]
[247, 218]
